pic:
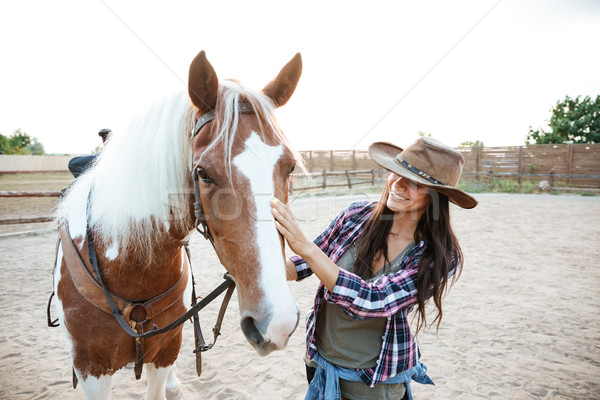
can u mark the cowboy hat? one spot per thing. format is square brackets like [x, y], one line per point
[427, 162]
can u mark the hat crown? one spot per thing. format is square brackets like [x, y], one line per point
[435, 159]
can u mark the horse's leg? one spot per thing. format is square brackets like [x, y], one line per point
[161, 382]
[173, 391]
[95, 388]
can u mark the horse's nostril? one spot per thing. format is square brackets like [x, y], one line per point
[251, 331]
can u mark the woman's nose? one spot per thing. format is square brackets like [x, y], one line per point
[400, 181]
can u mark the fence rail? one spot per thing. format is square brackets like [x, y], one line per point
[27, 220]
[5, 193]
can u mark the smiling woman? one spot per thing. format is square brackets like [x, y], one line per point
[377, 262]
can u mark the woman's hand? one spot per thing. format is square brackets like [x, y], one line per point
[318, 261]
[288, 226]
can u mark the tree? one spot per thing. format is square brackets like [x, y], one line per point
[20, 143]
[468, 143]
[35, 147]
[572, 121]
[4, 144]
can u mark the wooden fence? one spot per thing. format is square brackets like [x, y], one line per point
[27, 220]
[343, 178]
[573, 165]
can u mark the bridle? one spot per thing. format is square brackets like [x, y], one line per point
[200, 224]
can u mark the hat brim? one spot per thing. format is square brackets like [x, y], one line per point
[384, 154]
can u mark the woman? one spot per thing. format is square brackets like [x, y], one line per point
[376, 262]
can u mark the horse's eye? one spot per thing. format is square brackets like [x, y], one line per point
[292, 168]
[203, 175]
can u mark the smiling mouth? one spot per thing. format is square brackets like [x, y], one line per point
[398, 197]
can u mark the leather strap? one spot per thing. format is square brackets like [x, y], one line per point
[155, 330]
[89, 287]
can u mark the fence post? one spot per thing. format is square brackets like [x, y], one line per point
[520, 164]
[354, 160]
[324, 179]
[372, 177]
[569, 163]
[331, 160]
[348, 179]
[552, 179]
[291, 186]
[310, 157]
[477, 161]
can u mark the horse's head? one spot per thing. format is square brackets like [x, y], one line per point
[242, 161]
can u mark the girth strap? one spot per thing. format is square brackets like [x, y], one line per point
[139, 351]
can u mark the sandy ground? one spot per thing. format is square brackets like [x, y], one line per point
[521, 323]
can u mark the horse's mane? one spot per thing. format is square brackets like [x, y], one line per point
[141, 180]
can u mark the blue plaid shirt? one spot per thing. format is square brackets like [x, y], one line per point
[391, 296]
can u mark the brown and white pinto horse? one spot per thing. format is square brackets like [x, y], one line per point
[137, 201]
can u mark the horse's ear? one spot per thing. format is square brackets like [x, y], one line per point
[203, 84]
[282, 87]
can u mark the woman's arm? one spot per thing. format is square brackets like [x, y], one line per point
[319, 262]
[363, 300]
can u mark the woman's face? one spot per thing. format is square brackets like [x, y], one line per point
[406, 196]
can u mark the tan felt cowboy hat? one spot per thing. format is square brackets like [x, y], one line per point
[427, 162]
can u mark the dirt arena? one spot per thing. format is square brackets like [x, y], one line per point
[523, 322]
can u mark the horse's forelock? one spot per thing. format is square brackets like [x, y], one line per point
[231, 95]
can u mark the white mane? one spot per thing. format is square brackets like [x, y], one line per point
[141, 178]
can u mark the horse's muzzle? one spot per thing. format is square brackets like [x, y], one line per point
[263, 336]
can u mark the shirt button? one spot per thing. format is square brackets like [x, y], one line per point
[383, 337]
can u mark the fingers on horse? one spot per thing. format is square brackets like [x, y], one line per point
[281, 229]
[282, 210]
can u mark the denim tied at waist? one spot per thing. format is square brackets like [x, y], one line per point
[325, 385]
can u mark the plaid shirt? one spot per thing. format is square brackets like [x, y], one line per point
[391, 296]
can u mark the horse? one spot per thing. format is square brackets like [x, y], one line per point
[134, 210]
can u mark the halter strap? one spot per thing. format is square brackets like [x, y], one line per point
[243, 108]
[203, 120]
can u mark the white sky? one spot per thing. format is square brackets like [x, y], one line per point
[378, 70]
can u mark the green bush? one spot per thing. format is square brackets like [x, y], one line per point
[473, 186]
[499, 185]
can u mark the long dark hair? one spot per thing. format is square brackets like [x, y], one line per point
[435, 264]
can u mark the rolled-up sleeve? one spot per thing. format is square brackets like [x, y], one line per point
[382, 298]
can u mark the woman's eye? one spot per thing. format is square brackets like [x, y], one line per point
[203, 175]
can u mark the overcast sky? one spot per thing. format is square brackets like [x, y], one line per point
[380, 70]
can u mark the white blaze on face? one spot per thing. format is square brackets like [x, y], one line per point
[257, 163]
